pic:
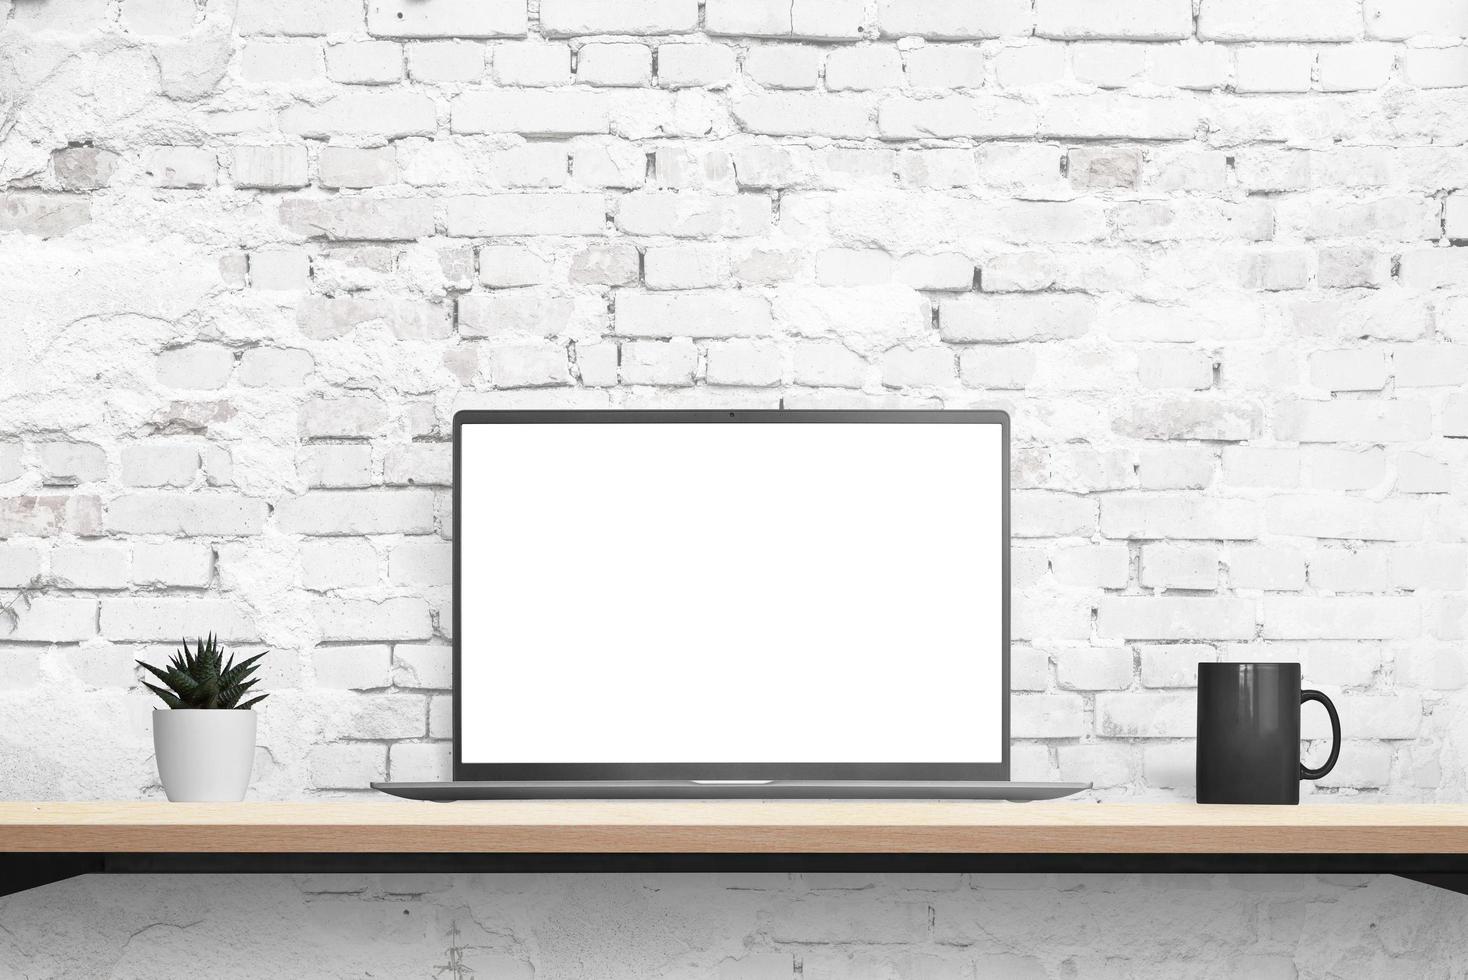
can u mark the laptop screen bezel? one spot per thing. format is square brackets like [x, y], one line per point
[918, 770]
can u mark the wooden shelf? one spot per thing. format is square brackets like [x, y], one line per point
[730, 827]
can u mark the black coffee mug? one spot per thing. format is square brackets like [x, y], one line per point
[1249, 733]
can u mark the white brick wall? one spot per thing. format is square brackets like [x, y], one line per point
[1209, 255]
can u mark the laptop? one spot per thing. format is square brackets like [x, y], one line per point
[731, 604]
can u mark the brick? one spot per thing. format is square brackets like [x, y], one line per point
[434, 761]
[917, 368]
[1346, 518]
[1428, 566]
[695, 65]
[1176, 468]
[1030, 66]
[336, 466]
[53, 619]
[997, 367]
[765, 18]
[348, 765]
[68, 464]
[20, 566]
[290, 18]
[1435, 67]
[388, 113]
[747, 363]
[853, 267]
[948, 272]
[1279, 20]
[691, 215]
[196, 366]
[181, 564]
[1417, 473]
[1179, 567]
[1146, 715]
[863, 68]
[280, 269]
[803, 114]
[353, 167]
[954, 19]
[692, 314]
[1108, 64]
[511, 265]
[1331, 468]
[534, 364]
[427, 563]
[1103, 669]
[536, 312]
[617, 164]
[566, 18]
[156, 464]
[944, 66]
[1160, 516]
[1349, 370]
[1170, 367]
[439, 62]
[683, 267]
[1139, 20]
[1175, 618]
[268, 167]
[356, 219]
[1106, 566]
[532, 63]
[158, 618]
[828, 364]
[446, 18]
[1008, 319]
[532, 165]
[1397, 21]
[343, 417]
[1354, 617]
[530, 113]
[605, 265]
[338, 564]
[90, 566]
[1349, 570]
[1264, 567]
[1352, 265]
[1356, 67]
[275, 367]
[364, 62]
[1044, 514]
[328, 317]
[614, 64]
[1112, 115]
[202, 513]
[1353, 421]
[181, 166]
[294, 60]
[987, 116]
[1434, 268]
[1102, 168]
[549, 213]
[348, 512]
[353, 668]
[375, 716]
[1274, 68]
[651, 363]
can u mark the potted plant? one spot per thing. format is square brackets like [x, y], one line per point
[205, 739]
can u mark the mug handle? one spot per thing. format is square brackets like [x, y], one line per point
[1335, 736]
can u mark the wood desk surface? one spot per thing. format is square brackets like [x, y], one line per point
[734, 827]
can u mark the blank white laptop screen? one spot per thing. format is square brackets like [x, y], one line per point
[731, 592]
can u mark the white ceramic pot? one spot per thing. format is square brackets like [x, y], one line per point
[204, 755]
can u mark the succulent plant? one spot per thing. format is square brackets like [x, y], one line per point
[200, 678]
